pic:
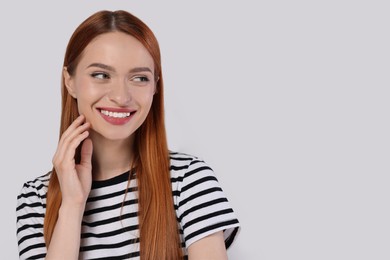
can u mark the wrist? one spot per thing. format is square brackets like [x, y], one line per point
[73, 211]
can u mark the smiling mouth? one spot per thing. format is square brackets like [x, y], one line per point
[116, 113]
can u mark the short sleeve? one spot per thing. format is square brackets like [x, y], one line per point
[29, 221]
[201, 205]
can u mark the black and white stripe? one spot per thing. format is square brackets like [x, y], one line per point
[110, 222]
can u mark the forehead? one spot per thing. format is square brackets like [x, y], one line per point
[116, 49]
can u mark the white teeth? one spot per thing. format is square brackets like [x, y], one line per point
[115, 114]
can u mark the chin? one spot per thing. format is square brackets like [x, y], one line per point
[118, 138]
[113, 135]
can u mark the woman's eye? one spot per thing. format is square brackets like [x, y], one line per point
[140, 79]
[100, 75]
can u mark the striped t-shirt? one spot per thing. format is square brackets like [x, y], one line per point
[110, 224]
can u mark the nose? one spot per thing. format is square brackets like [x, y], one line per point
[120, 94]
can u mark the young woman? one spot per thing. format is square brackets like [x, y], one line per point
[116, 191]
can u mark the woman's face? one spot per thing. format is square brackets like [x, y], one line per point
[113, 84]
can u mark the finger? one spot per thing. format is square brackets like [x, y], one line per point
[74, 125]
[70, 150]
[65, 141]
[86, 153]
[84, 169]
[78, 121]
[75, 132]
[66, 152]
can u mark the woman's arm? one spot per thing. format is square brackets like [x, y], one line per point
[208, 222]
[30, 212]
[211, 247]
[75, 182]
[65, 242]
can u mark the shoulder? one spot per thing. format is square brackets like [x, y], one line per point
[36, 187]
[201, 206]
[190, 173]
[34, 190]
[182, 158]
[193, 180]
[30, 213]
[184, 165]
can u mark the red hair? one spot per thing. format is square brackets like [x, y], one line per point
[159, 235]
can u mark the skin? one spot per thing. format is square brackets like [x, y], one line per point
[108, 75]
[105, 77]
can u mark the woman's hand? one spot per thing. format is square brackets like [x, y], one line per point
[75, 180]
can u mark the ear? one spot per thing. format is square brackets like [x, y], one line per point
[68, 81]
[155, 86]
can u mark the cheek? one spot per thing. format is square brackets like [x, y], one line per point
[87, 95]
[147, 101]
[88, 92]
[144, 98]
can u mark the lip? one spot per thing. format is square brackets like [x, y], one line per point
[117, 121]
[116, 109]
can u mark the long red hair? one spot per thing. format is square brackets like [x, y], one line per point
[159, 236]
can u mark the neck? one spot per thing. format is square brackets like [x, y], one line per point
[110, 158]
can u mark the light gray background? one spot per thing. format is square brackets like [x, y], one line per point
[288, 101]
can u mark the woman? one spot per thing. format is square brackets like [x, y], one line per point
[116, 191]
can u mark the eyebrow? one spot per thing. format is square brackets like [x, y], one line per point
[110, 68]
